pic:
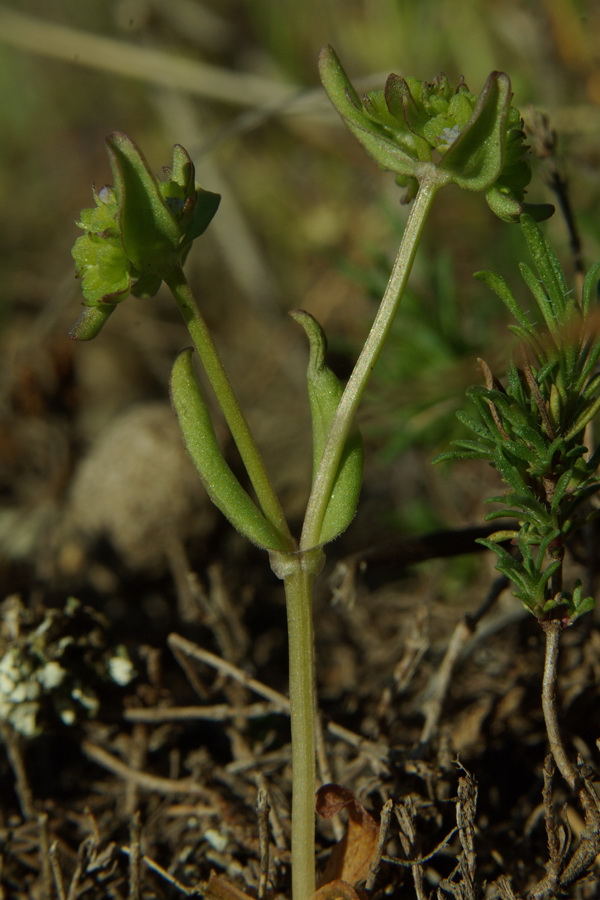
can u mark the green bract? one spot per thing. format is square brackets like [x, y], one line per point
[431, 131]
[138, 233]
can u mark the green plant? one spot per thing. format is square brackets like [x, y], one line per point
[138, 235]
[535, 430]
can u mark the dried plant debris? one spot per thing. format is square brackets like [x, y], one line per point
[194, 777]
[352, 857]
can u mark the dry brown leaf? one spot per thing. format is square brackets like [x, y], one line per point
[336, 890]
[219, 888]
[351, 858]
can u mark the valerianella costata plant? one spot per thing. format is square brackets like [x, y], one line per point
[138, 235]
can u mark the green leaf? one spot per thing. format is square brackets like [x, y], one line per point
[510, 473]
[499, 286]
[579, 605]
[507, 207]
[90, 322]
[149, 232]
[205, 207]
[583, 419]
[547, 264]
[474, 425]
[378, 141]
[506, 512]
[324, 394]
[589, 294]
[222, 486]
[561, 487]
[544, 302]
[475, 159]
[460, 452]
[507, 534]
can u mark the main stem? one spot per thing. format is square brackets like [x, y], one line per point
[342, 423]
[298, 595]
[299, 577]
[240, 431]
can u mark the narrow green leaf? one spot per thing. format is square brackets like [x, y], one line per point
[458, 453]
[473, 425]
[506, 534]
[547, 264]
[376, 140]
[506, 512]
[544, 302]
[583, 420]
[589, 295]
[324, 394]
[222, 486]
[561, 488]
[500, 287]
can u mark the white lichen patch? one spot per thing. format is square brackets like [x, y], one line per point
[56, 668]
[51, 675]
[120, 668]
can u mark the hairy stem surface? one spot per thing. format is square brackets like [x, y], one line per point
[298, 595]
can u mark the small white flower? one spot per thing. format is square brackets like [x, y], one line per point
[449, 135]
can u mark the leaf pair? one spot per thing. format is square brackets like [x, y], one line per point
[226, 492]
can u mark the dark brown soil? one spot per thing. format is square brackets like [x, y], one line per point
[141, 789]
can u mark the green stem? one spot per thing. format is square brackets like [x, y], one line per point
[228, 402]
[342, 423]
[298, 595]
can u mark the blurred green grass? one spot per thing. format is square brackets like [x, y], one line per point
[307, 220]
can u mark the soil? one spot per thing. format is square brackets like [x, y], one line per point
[160, 751]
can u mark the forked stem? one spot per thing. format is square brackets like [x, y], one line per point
[299, 568]
[299, 581]
[342, 423]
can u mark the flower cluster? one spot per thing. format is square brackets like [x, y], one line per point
[430, 130]
[138, 233]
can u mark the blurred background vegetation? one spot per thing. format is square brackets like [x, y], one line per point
[306, 218]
